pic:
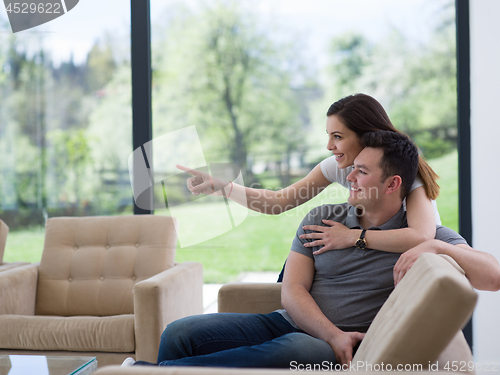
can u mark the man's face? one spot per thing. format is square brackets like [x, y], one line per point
[367, 189]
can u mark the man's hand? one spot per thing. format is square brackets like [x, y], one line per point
[343, 345]
[409, 257]
[332, 236]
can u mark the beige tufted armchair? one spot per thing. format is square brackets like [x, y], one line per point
[105, 287]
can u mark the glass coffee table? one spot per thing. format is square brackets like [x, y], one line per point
[46, 365]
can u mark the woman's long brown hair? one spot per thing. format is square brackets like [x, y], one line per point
[362, 114]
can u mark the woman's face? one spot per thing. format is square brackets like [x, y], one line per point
[342, 142]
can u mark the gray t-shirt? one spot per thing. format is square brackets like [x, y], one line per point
[351, 285]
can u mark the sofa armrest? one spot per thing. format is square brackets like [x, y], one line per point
[421, 316]
[254, 298]
[8, 266]
[161, 299]
[18, 290]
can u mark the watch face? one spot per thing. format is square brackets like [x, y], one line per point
[361, 243]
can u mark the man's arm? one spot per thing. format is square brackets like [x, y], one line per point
[298, 302]
[482, 269]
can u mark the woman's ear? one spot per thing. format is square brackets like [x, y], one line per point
[394, 184]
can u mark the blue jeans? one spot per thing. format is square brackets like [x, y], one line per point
[240, 340]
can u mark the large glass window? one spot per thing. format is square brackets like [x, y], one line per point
[245, 83]
[255, 79]
[65, 121]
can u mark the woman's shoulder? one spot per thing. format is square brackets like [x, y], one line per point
[417, 183]
[333, 173]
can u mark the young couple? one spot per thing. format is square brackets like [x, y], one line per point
[331, 297]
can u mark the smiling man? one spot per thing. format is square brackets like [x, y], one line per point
[334, 296]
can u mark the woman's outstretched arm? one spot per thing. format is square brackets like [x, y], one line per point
[259, 200]
[421, 227]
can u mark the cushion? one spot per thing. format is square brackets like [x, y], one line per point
[253, 298]
[90, 264]
[76, 333]
[421, 316]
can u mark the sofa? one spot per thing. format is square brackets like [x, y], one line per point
[418, 328]
[105, 287]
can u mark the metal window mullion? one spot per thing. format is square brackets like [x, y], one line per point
[140, 38]
[464, 131]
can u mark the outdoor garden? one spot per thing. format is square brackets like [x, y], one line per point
[258, 101]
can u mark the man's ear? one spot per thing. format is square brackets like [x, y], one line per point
[394, 183]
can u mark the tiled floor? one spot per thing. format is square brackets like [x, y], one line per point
[210, 291]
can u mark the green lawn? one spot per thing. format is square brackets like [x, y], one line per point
[24, 245]
[447, 169]
[260, 242]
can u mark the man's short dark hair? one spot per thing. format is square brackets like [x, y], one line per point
[400, 156]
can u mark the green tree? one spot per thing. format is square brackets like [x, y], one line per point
[427, 111]
[351, 53]
[100, 66]
[23, 124]
[219, 69]
[110, 141]
[42, 101]
[70, 160]
[416, 83]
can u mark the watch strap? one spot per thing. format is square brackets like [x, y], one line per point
[361, 242]
[362, 235]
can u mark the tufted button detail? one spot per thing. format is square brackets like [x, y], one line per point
[133, 277]
[101, 278]
[107, 246]
[70, 279]
[136, 245]
[75, 247]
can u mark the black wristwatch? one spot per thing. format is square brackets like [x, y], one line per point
[361, 241]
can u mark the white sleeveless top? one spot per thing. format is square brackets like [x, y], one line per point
[333, 173]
